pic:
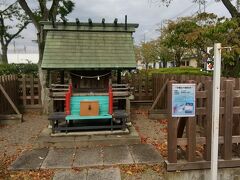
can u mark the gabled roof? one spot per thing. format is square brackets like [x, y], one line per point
[87, 46]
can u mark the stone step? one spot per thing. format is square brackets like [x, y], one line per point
[87, 139]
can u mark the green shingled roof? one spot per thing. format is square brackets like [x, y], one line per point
[88, 47]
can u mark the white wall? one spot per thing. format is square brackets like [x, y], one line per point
[23, 58]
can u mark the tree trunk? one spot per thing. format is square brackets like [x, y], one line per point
[154, 64]
[164, 63]
[146, 66]
[43, 76]
[4, 58]
[178, 60]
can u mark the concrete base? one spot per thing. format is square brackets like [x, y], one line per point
[223, 174]
[89, 174]
[90, 133]
[87, 140]
[11, 119]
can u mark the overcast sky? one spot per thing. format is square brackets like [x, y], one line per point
[149, 14]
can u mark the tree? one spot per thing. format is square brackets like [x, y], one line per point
[195, 34]
[227, 3]
[212, 29]
[231, 8]
[149, 52]
[59, 8]
[174, 37]
[164, 54]
[10, 30]
[138, 54]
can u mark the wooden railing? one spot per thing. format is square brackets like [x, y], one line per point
[10, 85]
[141, 86]
[29, 91]
[160, 79]
[189, 139]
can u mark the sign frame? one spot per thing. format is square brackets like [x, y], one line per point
[183, 97]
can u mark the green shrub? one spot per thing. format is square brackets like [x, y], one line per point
[18, 69]
[178, 70]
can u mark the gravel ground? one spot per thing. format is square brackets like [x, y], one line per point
[151, 131]
[21, 135]
[154, 130]
[16, 138]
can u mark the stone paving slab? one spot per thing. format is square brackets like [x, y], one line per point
[70, 175]
[29, 160]
[87, 157]
[145, 153]
[104, 174]
[58, 158]
[114, 155]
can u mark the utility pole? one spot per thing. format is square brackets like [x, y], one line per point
[238, 5]
[215, 110]
[199, 6]
[204, 5]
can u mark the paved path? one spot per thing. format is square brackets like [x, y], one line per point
[86, 157]
[90, 174]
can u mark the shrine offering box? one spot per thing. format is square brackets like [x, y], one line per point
[89, 108]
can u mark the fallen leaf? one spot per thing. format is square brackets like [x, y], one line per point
[129, 172]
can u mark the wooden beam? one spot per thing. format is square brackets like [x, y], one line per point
[159, 95]
[208, 124]
[202, 140]
[184, 165]
[11, 117]
[191, 139]
[172, 128]
[9, 100]
[181, 126]
[228, 120]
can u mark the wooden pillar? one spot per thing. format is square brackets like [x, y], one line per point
[191, 134]
[32, 88]
[172, 128]
[208, 125]
[228, 120]
[24, 99]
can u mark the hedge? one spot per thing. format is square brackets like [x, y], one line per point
[18, 69]
[179, 70]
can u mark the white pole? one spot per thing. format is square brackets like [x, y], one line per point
[215, 110]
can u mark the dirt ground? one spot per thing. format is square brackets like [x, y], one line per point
[151, 131]
[19, 137]
[16, 138]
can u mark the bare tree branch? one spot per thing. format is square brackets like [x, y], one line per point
[10, 6]
[17, 33]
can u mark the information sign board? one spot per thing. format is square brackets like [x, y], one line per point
[183, 100]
